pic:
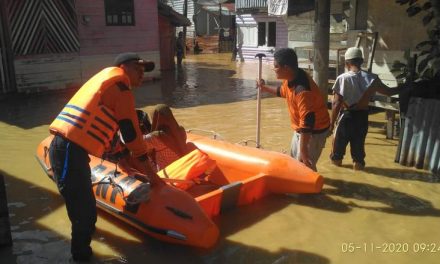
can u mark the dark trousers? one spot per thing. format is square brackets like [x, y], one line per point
[352, 128]
[179, 56]
[70, 165]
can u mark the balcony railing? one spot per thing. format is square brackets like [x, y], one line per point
[241, 5]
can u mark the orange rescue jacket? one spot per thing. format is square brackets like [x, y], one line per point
[85, 120]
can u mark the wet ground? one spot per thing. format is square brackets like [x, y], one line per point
[386, 214]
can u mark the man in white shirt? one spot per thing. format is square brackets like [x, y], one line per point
[352, 92]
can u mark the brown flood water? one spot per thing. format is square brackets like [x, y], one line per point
[386, 214]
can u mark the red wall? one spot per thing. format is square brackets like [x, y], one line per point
[97, 39]
[167, 43]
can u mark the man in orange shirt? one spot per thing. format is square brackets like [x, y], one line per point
[309, 117]
[86, 125]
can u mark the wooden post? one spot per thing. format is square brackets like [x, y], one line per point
[321, 46]
[5, 228]
[185, 14]
[219, 27]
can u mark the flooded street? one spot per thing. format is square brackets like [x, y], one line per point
[386, 214]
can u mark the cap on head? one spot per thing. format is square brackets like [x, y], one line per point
[131, 56]
[353, 53]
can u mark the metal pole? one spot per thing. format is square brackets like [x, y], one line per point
[260, 59]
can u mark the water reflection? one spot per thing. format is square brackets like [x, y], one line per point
[204, 83]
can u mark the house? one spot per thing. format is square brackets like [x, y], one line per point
[260, 32]
[169, 19]
[48, 45]
[210, 19]
[398, 34]
[257, 32]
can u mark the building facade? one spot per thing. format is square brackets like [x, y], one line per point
[50, 44]
[258, 32]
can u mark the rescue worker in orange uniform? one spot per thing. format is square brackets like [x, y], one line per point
[309, 117]
[86, 125]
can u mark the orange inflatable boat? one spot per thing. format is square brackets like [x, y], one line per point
[181, 212]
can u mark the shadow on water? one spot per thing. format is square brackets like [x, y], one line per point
[7, 255]
[386, 142]
[37, 243]
[396, 202]
[403, 174]
[400, 174]
[320, 201]
[376, 124]
[29, 112]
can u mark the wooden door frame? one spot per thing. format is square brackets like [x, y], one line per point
[7, 75]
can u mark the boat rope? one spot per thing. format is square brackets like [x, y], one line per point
[214, 134]
[244, 142]
[166, 232]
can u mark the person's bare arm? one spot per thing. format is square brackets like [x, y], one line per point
[304, 151]
[376, 86]
[382, 88]
[337, 103]
[267, 88]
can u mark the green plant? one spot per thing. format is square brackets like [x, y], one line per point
[429, 56]
[405, 72]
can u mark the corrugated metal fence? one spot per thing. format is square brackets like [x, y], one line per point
[43, 26]
[420, 142]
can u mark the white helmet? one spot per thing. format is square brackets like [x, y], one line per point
[353, 53]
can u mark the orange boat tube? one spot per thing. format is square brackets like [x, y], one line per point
[247, 174]
[241, 175]
[171, 214]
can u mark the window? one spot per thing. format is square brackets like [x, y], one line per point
[267, 32]
[119, 12]
[261, 33]
[247, 36]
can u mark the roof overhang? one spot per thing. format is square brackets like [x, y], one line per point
[225, 10]
[174, 17]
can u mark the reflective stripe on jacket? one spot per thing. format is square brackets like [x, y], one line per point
[85, 120]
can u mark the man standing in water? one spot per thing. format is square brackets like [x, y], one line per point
[352, 92]
[86, 125]
[180, 48]
[309, 116]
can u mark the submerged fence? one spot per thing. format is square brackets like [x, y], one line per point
[420, 142]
